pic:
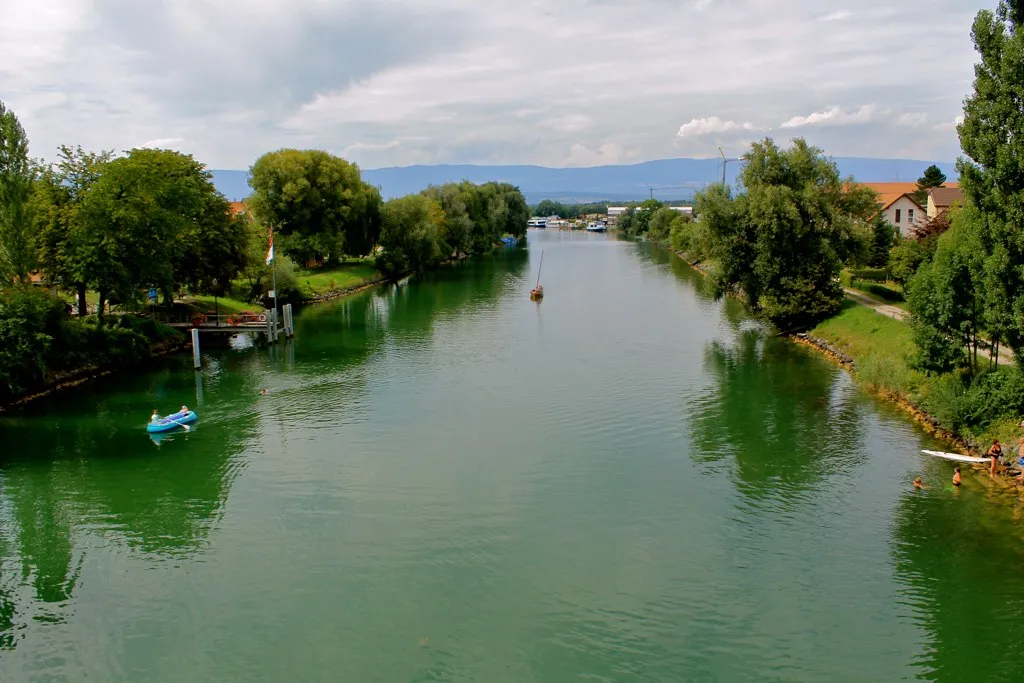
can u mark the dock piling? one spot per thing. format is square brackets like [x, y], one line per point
[289, 326]
[196, 361]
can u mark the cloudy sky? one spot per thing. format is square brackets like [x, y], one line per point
[551, 82]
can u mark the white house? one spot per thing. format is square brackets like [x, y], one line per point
[897, 204]
[685, 210]
[616, 210]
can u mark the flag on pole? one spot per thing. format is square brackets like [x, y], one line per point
[270, 252]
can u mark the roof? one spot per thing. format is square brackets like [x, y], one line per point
[237, 208]
[945, 197]
[890, 193]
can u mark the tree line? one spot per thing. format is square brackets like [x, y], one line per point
[116, 227]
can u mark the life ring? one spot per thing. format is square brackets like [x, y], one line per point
[262, 317]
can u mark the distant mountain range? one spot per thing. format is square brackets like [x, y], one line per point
[666, 179]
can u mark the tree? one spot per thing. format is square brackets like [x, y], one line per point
[148, 221]
[316, 203]
[932, 177]
[637, 219]
[660, 224]
[411, 236]
[58, 196]
[782, 243]
[946, 297]
[883, 236]
[992, 138]
[17, 247]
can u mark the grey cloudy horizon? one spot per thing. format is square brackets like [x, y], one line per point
[554, 83]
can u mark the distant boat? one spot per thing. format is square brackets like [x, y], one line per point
[594, 226]
[539, 223]
[537, 293]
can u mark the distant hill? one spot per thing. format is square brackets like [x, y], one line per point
[669, 178]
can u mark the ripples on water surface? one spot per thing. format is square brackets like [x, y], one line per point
[627, 482]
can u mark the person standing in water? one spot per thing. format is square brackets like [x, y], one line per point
[956, 476]
[994, 453]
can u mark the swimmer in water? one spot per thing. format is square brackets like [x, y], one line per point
[918, 484]
[956, 477]
[264, 392]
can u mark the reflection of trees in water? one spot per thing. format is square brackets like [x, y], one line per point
[775, 411]
[352, 329]
[961, 554]
[163, 504]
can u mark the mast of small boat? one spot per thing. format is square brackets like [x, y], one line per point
[540, 267]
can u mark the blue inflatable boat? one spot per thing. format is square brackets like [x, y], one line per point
[171, 422]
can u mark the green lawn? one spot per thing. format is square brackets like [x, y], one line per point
[206, 304]
[318, 282]
[862, 332]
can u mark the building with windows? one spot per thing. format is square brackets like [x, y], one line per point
[899, 207]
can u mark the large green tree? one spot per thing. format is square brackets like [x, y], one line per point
[316, 203]
[783, 241]
[17, 246]
[992, 138]
[60, 234]
[154, 219]
[411, 235]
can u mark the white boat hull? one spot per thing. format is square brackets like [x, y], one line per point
[957, 457]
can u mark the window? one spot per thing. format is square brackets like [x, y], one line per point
[897, 215]
[910, 215]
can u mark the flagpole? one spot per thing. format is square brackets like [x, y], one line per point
[272, 259]
[276, 317]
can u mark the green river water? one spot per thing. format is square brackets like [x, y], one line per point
[448, 482]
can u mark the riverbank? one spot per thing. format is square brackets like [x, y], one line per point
[65, 381]
[877, 349]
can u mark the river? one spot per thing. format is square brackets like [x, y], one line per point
[447, 482]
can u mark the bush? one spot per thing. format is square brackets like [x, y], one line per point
[37, 338]
[872, 274]
[965, 404]
[29, 320]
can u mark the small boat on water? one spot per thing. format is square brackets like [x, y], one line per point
[537, 293]
[594, 226]
[172, 422]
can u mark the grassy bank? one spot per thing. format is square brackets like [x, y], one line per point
[882, 349]
[316, 283]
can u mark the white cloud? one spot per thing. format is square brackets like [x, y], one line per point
[834, 117]
[453, 83]
[710, 125]
[912, 120]
[839, 15]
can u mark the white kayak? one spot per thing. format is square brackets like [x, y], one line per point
[957, 457]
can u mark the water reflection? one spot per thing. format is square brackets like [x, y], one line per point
[783, 417]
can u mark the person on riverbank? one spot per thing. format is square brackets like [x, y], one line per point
[956, 476]
[994, 453]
